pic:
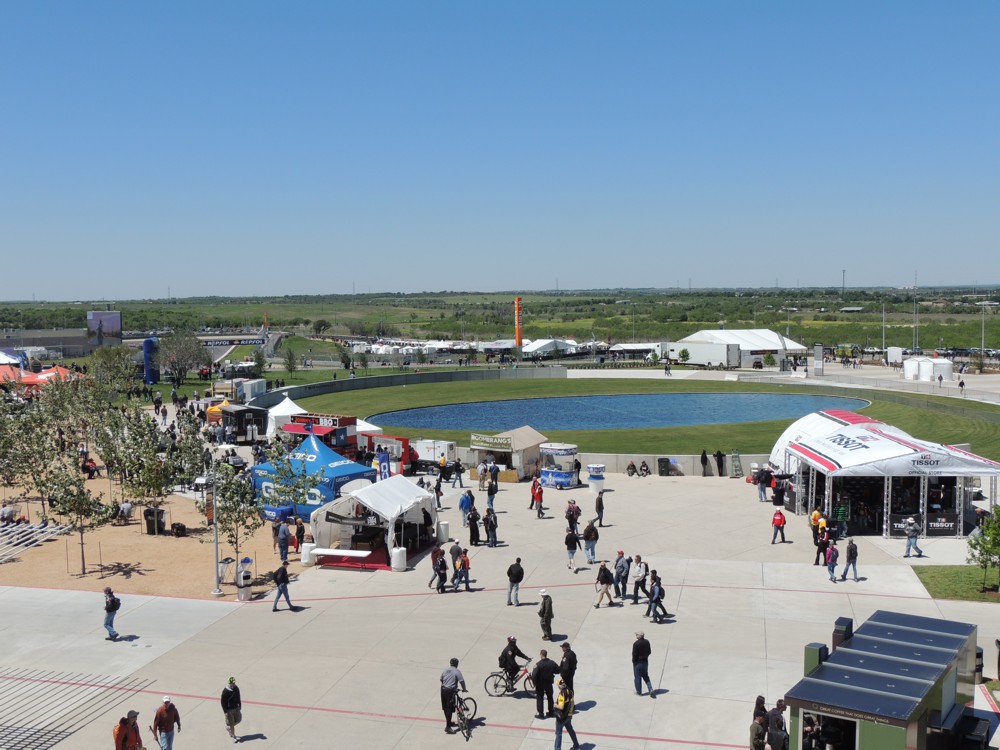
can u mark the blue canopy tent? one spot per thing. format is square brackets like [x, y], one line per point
[329, 469]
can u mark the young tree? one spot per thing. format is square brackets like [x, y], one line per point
[290, 362]
[684, 355]
[259, 362]
[654, 359]
[75, 500]
[238, 511]
[363, 361]
[179, 353]
[769, 360]
[114, 367]
[319, 326]
[984, 547]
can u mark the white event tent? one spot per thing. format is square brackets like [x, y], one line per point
[281, 414]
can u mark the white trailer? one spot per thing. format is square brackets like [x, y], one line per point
[707, 354]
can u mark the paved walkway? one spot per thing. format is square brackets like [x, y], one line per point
[358, 665]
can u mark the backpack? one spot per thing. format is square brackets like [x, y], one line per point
[114, 605]
[834, 554]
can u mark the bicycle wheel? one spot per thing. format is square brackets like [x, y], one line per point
[463, 720]
[496, 684]
[469, 704]
[529, 685]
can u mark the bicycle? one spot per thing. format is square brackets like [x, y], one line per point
[498, 684]
[465, 710]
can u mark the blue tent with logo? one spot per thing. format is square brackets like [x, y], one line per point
[329, 469]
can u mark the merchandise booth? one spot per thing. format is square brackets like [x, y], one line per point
[882, 474]
[249, 423]
[327, 471]
[337, 432]
[557, 465]
[375, 526]
[516, 452]
[398, 449]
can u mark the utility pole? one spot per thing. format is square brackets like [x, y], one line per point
[843, 283]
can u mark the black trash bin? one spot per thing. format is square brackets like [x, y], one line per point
[155, 521]
[663, 467]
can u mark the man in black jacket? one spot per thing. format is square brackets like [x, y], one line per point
[567, 666]
[281, 581]
[515, 574]
[232, 707]
[508, 659]
[777, 736]
[640, 663]
[544, 675]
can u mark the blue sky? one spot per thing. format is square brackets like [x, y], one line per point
[318, 147]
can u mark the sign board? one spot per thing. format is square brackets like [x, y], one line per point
[324, 420]
[490, 442]
[942, 524]
[233, 342]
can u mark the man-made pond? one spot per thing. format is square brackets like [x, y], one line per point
[614, 412]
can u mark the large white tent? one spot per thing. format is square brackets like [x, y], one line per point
[752, 340]
[825, 446]
[381, 505]
[281, 414]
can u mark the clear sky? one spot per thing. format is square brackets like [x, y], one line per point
[318, 147]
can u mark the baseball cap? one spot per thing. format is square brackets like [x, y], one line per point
[166, 699]
[621, 552]
[910, 520]
[132, 714]
[565, 644]
[543, 592]
[232, 680]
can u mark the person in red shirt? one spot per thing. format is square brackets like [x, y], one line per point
[778, 522]
[126, 732]
[163, 724]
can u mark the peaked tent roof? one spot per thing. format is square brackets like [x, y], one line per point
[6, 359]
[541, 346]
[316, 457]
[286, 407]
[752, 339]
[524, 437]
[869, 448]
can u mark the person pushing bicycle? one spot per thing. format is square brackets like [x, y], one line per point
[508, 659]
[451, 678]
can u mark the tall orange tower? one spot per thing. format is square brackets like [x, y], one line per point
[518, 322]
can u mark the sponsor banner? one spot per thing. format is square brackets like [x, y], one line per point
[384, 469]
[490, 442]
[233, 342]
[942, 524]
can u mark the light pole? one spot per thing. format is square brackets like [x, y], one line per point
[217, 591]
[982, 341]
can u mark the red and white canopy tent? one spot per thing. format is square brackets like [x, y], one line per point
[830, 444]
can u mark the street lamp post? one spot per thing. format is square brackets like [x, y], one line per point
[217, 591]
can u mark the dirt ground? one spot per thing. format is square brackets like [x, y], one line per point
[132, 562]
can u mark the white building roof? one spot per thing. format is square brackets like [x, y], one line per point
[753, 339]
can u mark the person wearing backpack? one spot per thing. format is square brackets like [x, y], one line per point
[852, 560]
[832, 555]
[126, 732]
[564, 716]
[111, 606]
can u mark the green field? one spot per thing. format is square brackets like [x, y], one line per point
[756, 437]
[958, 582]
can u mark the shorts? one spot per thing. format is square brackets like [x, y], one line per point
[233, 717]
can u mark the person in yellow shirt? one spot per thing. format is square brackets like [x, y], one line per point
[814, 520]
[564, 716]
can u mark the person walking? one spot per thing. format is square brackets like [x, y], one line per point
[544, 676]
[639, 574]
[840, 516]
[590, 537]
[704, 464]
[164, 719]
[473, 519]
[572, 542]
[832, 555]
[281, 581]
[778, 523]
[491, 493]
[515, 574]
[462, 570]
[284, 537]
[456, 474]
[720, 462]
[535, 484]
[442, 574]
[641, 651]
[822, 543]
[481, 472]
[455, 552]
[622, 565]
[490, 524]
[232, 707]
[436, 554]
[451, 678]
[912, 530]
[656, 608]
[126, 732]
[604, 581]
[758, 737]
[852, 560]
[111, 606]
[564, 716]
[573, 513]
[599, 509]
[545, 614]
[567, 665]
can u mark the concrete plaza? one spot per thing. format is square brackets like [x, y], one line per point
[358, 666]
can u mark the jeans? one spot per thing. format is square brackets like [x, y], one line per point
[457, 477]
[590, 547]
[491, 537]
[621, 586]
[513, 589]
[600, 518]
[566, 724]
[848, 566]
[465, 517]
[489, 501]
[911, 543]
[842, 529]
[109, 624]
[762, 492]
[462, 575]
[571, 554]
[283, 550]
[774, 536]
[166, 740]
[282, 591]
[831, 568]
[640, 670]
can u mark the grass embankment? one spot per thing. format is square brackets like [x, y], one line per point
[962, 582]
[758, 437]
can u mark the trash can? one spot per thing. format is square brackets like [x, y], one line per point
[979, 665]
[443, 532]
[155, 521]
[244, 579]
[595, 476]
[224, 567]
[843, 630]
[663, 467]
[399, 559]
[306, 553]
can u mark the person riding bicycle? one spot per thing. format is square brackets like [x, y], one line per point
[508, 659]
[451, 678]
